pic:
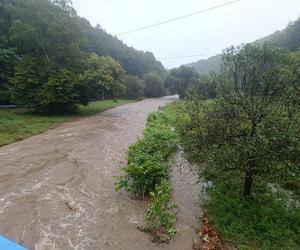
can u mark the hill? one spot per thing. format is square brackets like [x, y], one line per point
[51, 32]
[288, 38]
[205, 66]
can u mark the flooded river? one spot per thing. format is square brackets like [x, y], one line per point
[57, 188]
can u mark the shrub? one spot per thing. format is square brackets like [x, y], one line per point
[159, 216]
[148, 158]
[147, 173]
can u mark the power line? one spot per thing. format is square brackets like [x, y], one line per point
[178, 18]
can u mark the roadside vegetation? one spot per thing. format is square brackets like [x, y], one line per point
[241, 126]
[147, 175]
[19, 124]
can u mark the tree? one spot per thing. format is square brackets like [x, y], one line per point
[249, 129]
[206, 86]
[8, 58]
[51, 31]
[180, 79]
[134, 87]
[154, 85]
[47, 91]
[103, 74]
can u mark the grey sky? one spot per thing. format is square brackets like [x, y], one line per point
[206, 33]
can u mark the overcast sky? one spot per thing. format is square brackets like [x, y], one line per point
[207, 33]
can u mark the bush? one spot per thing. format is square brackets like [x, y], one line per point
[148, 158]
[147, 173]
[159, 216]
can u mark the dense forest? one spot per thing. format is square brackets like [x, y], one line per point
[49, 56]
[205, 66]
[288, 38]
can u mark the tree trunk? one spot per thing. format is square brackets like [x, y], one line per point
[248, 183]
[103, 95]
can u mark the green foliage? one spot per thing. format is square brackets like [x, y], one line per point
[245, 139]
[57, 39]
[49, 92]
[205, 87]
[147, 173]
[206, 66]
[103, 75]
[160, 216]
[135, 87]
[154, 85]
[179, 80]
[288, 38]
[8, 58]
[267, 221]
[249, 127]
[148, 158]
[60, 94]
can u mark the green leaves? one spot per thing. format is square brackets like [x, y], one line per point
[56, 39]
[147, 173]
[34, 84]
[154, 85]
[249, 128]
[8, 58]
[160, 216]
[148, 158]
[179, 80]
[103, 74]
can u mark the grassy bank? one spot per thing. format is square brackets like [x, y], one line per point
[19, 124]
[147, 174]
[266, 221]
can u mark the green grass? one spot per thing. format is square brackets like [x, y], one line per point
[100, 106]
[170, 112]
[263, 222]
[19, 124]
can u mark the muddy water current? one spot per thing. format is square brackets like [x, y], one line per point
[57, 188]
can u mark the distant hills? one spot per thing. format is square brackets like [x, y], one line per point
[205, 66]
[288, 38]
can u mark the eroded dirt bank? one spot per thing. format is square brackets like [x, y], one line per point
[56, 189]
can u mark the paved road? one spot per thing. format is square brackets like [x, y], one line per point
[56, 189]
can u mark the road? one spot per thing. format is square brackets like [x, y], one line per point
[57, 188]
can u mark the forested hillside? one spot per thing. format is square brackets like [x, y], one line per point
[205, 66]
[44, 41]
[288, 38]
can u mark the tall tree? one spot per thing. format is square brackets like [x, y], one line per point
[180, 79]
[154, 85]
[7, 61]
[103, 75]
[135, 87]
[249, 130]
[37, 85]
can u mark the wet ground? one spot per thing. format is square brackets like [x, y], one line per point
[57, 188]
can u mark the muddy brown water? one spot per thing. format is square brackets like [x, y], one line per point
[57, 188]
